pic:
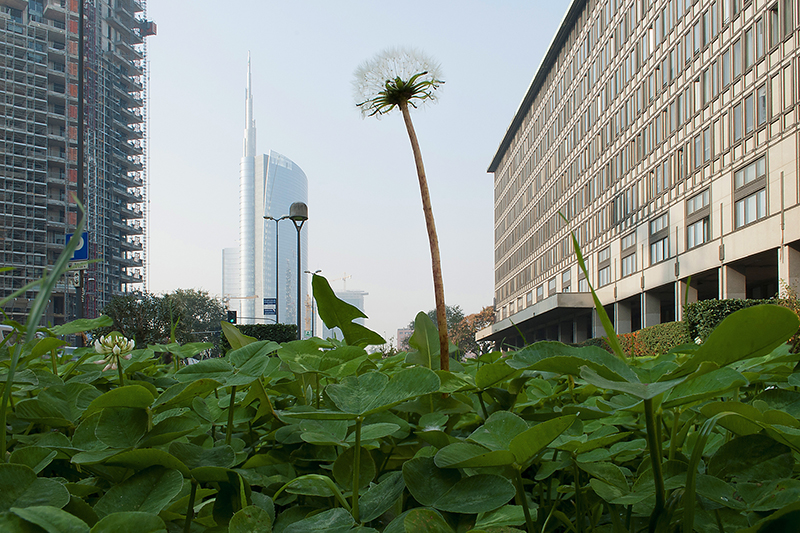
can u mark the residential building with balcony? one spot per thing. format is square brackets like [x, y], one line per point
[39, 154]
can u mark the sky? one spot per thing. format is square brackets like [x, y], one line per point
[365, 213]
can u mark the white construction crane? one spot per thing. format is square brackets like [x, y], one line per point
[344, 279]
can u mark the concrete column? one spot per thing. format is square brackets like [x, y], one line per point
[789, 268]
[622, 318]
[579, 332]
[733, 284]
[597, 325]
[680, 294]
[651, 310]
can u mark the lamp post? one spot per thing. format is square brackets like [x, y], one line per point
[298, 214]
[313, 313]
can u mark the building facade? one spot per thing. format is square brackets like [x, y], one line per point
[38, 148]
[268, 185]
[663, 134]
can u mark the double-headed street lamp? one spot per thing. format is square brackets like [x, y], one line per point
[298, 214]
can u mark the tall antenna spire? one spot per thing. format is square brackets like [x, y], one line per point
[250, 123]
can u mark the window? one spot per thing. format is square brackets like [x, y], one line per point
[565, 280]
[628, 241]
[737, 58]
[774, 29]
[737, 122]
[749, 51]
[659, 250]
[751, 208]
[659, 224]
[697, 202]
[539, 293]
[726, 68]
[750, 173]
[604, 255]
[697, 233]
[749, 114]
[761, 106]
[551, 287]
[529, 299]
[583, 285]
[628, 265]
[788, 17]
[604, 276]
[760, 38]
[750, 193]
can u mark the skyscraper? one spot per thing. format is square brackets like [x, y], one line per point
[39, 153]
[268, 185]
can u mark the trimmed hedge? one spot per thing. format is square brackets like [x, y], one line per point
[264, 332]
[647, 342]
[703, 316]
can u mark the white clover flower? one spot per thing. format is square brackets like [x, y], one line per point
[116, 346]
[698, 340]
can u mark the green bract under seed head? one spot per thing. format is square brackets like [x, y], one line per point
[393, 76]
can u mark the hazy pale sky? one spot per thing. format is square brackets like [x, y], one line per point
[365, 213]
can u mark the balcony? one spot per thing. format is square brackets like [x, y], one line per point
[127, 229]
[131, 246]
[15, 4]
[55, 9]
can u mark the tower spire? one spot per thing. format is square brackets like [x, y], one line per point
[250, 123]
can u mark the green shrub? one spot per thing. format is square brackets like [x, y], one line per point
[647, 342]
[703, 316]
[264, 332]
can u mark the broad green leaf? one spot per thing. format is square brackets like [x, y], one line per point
[249, 520]
[215, 369]
[425, 342]
[82, 324]
[121, 427]
[507, 515]
[492, 374]
[643, 391]
[747, 333]
[183, 394]
[324, 432]
[476, 494]
[444, 489]
[550, 356]
[498, 430]
[343, 468]
[130, 522]
[746, 423]
[425, 520]
[311, 485]
[35, 457]
[467, 455]
[147, 491]
[707, 385]
[331, 521]
[60, 405]
[336, 313]
[19, 487]
[52, 519]
[606, 472]
[752, 458]
[45, 345]
[170, 429]
[341, 362]
[195, 456]
[379, 498]
[236, 338]
[718, 491]
[784, 520]
[529, 443]
[373, 392]
[374, 432]
[138, 460]
[128, 396]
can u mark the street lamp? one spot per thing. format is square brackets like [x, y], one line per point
[298, 214]
[277, 263]
[313, 313]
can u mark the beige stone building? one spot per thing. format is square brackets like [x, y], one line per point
[666, 134]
